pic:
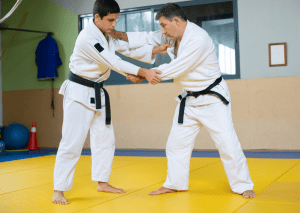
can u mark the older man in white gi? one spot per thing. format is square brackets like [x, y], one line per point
[86, 101]
[204, 101]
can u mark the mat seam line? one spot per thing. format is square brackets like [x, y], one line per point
[274, 202]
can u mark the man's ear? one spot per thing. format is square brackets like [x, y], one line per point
[176, 20]
[97, 17]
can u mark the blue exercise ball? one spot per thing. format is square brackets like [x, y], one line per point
[2, 146]
[16, 136]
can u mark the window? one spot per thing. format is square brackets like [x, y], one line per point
[227, 59]
[221, 30]
[217, 17]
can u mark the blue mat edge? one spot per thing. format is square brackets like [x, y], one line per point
[10, 156]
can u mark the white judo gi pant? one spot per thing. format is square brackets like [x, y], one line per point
[217, 119]
[78, 120]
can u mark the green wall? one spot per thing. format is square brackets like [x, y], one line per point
[19, 71]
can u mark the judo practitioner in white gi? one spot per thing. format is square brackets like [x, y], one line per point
[90, 64]
[204, 101]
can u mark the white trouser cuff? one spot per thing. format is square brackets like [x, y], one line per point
[104, 179]
[174, 187]
[240, 189]
[62, 188]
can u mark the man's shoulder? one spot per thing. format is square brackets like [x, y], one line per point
[196, 33]
[197, 30]
[87, 36]
[197, 37]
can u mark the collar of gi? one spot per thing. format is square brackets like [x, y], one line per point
[187, 30]
[99, 33]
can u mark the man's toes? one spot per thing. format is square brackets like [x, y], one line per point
[154, 193]
[249, 194]
[121, 191]
[118, 190]
[61, 202]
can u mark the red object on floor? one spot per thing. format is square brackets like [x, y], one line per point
[32, 145]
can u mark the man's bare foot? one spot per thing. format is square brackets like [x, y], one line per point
[105, 187]
[249, 194]
[164, 190]
[59, 198]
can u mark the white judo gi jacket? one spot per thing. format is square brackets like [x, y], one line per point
[196, 65]
[96, 64]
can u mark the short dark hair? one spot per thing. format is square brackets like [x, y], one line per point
[105, 7]
[171, 10]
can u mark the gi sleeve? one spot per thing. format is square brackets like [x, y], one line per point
[191, 56]
[143, 54]
[100, 54]
[140, 39]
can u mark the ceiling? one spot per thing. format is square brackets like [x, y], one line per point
[76, 6]
[82, 7]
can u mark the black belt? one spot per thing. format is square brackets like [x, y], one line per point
[98, 87]
[196, 94]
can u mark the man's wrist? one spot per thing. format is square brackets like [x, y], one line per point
[155, 50]
[142, 72]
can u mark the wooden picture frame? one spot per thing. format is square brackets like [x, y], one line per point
[277, 54]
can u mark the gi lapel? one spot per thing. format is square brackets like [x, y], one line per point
[185, 37]
[170, 50]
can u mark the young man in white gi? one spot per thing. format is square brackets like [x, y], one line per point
[86, 102]
[204, 100]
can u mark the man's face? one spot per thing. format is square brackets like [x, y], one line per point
[169, 28]
[107, 23]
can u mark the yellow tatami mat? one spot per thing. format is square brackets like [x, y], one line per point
[27, 186]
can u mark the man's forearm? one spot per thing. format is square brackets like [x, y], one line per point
[120, 35]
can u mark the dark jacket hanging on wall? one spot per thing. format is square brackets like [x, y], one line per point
[47, 60]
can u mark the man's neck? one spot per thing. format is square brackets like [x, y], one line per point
[104, 33]
[182, 29]
[106, 36]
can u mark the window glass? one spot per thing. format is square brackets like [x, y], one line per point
[222, 33]
[156, 23]
[121, 23]
[139, 21]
